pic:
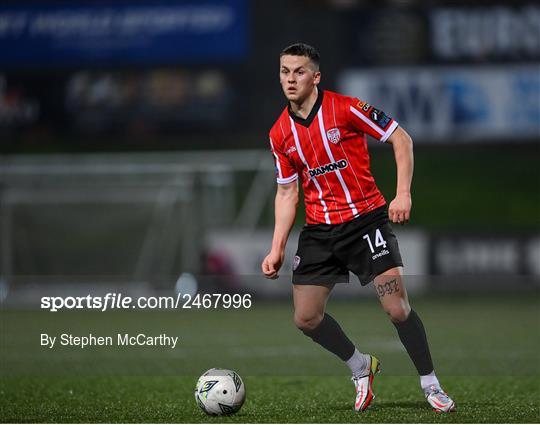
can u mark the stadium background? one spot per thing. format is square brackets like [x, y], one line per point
[135, 160]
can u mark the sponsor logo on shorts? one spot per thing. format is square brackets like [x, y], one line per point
[296, 262]
[380, 254]
[328, 168]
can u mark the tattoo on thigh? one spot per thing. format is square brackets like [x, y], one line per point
[387, 288]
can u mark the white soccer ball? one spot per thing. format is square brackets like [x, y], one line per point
[220, 392]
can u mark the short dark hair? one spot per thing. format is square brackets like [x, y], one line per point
[302, 49]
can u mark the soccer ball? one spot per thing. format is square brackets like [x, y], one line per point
[220, 392]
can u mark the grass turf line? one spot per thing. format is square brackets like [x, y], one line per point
[269, 399]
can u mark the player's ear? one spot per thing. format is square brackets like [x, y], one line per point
[317, 77]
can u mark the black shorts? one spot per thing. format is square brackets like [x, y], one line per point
[365, 246]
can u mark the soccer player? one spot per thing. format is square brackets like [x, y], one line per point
[320, 140]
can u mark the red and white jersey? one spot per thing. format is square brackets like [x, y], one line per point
[328, 152]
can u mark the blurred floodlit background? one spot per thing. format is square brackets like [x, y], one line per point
[134, 139]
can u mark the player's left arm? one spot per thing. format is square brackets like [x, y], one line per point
[399, 210]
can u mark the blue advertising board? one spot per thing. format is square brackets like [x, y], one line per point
[496, 103]
[64, 33]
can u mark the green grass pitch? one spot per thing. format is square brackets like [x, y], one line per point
[485, 351]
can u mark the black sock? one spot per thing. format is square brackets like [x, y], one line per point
[330, 335]
[413, 337]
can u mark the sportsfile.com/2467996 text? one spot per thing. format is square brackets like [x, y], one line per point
[113, 301]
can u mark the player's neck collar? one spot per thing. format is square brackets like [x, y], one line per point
[307, 122]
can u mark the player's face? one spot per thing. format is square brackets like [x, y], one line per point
[298, 77]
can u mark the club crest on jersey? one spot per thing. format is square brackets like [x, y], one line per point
[334, 135]
[328, 168]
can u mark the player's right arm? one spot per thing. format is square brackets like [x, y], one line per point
[286, 203]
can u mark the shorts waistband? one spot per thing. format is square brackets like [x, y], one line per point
[366, 219]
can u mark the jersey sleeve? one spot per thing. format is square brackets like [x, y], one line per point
[285, 171]
[370, 120]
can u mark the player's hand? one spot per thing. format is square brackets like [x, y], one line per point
[399, 210]
[271, 264]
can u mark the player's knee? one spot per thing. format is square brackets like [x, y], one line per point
[398, 313]
[307, 322]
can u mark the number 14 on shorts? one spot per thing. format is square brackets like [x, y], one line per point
[379, 240]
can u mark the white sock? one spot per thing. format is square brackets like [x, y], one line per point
[359, 363]
[427, 381]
